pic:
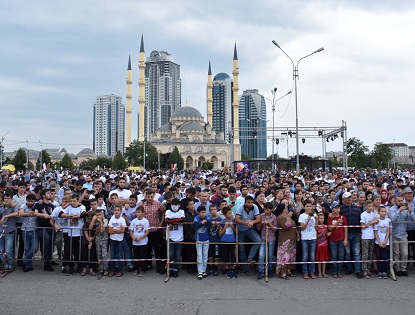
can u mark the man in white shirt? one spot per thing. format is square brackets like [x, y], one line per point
[123, 194]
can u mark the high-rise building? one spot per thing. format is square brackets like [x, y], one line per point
[222, 104]
[253, 123]
[162, 90]
[109, 125]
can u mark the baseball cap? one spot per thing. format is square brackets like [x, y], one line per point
[346, 195]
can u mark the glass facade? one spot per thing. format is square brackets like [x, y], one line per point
[222, 104]
[253, 124]
[162, 91]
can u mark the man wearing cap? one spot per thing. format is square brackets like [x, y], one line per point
[408, 196]
[352, 214]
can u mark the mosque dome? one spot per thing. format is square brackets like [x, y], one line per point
[221, 76]
[187, 111]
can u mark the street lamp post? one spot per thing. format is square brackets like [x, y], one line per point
[254, 132]
[41, 157]
[394, 158]
[1, 149]
[295, 78]
[144, 154]
[273, 119]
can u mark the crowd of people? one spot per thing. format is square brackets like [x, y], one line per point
[209, 223]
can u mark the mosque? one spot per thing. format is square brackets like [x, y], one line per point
[187, 129]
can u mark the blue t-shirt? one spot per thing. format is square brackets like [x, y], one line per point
[229, 235]
[245, 216]
[202, 230]
[214, 231]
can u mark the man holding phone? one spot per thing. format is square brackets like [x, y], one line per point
[400, 212]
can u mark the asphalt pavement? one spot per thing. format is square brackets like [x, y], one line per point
[42, 292]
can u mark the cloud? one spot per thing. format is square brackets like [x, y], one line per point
[57, 57]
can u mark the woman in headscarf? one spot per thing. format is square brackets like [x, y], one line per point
[286, 241]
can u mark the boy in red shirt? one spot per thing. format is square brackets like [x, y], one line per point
[338, 239]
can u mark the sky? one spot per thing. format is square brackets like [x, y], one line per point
[56, 57]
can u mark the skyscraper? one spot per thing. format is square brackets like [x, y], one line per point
[109, 125]
[222, 104]
[162, 90]
[253, 123]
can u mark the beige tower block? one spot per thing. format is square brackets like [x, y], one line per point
[235, 90]
[129, 108]
[141, 96]
[209, 96]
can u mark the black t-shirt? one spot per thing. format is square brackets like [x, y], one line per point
[44, 208]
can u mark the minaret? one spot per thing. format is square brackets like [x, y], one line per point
[209, 96]
[141, 94]
[235, 104]
[129, 108]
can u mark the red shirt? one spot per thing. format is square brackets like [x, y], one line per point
[338, 233]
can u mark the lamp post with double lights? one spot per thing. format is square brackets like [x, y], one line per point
[288, 134]
[2, 148]
[254, 125]
[295, 78]
[273, 102]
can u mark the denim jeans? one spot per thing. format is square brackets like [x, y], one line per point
[308, 248]
[6, 247]
[127, 253]
[202, 248]
[175, 254]
[336, 254]
[261, 256]
[116, 253]
[45, 242]
[353, 248]
[31, 246]
[382, 254]
[243, 236]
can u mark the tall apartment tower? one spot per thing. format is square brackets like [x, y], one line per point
[221, 103]
[253, 124]
[162, 91]
[109, 125]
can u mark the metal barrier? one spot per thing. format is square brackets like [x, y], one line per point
[47, 245]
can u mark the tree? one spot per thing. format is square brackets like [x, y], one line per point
[45, 159]
[118, 162]
[357, 152]
[66, 162]
[245, 157]
[176, 158]
[380, 156]
[20, 159]
[103, 162]
[207, 165]
[134, 155]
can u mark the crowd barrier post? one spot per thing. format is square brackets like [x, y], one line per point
[391, 270]
[168, 255]
[236, 245]
[266, 254]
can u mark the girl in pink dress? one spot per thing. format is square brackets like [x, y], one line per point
[322, 252]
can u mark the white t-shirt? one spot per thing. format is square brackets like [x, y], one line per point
[139, 228]
[382, 228]
[309, 232]
[123, 194]
[75, 226]
[62, 222]
[367, 233]
[116, 224]
[176, 231]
